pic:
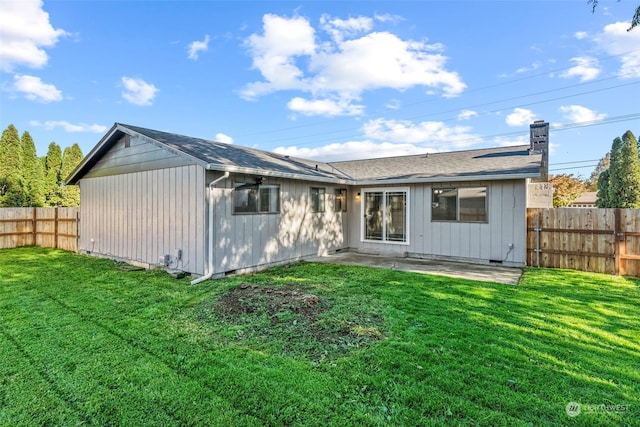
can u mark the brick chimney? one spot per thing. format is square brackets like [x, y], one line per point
[539, 144]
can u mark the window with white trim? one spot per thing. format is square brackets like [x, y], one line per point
[386, 215]
[256, 198]
[465, 204]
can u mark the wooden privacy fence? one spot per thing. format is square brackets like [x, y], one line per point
[586, 239]
[46, 227]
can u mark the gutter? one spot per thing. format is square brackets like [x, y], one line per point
[211, 231]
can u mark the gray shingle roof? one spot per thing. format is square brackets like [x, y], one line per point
[219, 156]
[470, 164]
[482, 164]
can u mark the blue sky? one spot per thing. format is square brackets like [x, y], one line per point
[329, 80]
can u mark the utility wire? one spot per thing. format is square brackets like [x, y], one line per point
[469, 91]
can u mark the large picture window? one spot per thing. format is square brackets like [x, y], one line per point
[253, 199]
[386, 215]
[467, 204]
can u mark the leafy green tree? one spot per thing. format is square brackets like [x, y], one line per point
[71, 157]
[11, 181]
[624, 173]
[53, 168]
[566, 188]
[32, 172]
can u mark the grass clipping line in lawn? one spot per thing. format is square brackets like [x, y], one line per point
[84, 342]
[294, 321]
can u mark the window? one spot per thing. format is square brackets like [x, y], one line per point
[459, 204]
[386, 215]
[254, 198]
[341, 200]
[317, 199]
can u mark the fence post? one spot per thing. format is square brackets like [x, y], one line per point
[620, 242]
[538, 239]
[77, 231]
[55, 227]
[34, 225]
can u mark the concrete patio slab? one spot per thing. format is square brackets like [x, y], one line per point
[481, 272]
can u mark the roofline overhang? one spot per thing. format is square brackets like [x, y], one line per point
[105, 143]
[264, 172]
[79, 170]
[355, 182]
[457, 178]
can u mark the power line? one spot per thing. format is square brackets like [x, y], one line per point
[552, 72]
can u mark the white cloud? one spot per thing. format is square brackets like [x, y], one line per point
[25, 30]
[351, 150]
[69, 127]
[341, 28]
[324, 107]
[616, 40]
[580, 114]
[35, 89]
[225, 139]
[466, 114]
[138, 92]
[580, 35]
[383, 138]
[197, 46]
[290, 56]
[586, 68]
[431, 135]
[274, 54]
[520, 117]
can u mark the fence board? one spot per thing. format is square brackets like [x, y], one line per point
[587, 239]
[46, 227]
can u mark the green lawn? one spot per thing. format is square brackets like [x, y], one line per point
[86, 341]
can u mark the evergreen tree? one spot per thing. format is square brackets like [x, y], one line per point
[71, 157]
[624, 173]
[603, 190]
[11, 181]
[32, 172]
[53, 165]
[603, 165]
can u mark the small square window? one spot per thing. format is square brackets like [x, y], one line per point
[317, 199]
[341, 200]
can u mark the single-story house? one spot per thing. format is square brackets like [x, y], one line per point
[155, 198]
[586, 200]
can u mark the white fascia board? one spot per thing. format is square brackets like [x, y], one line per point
[458, 178]
[263, 172]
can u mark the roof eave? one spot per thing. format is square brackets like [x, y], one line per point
[276, 174]
[105, 144]
[456, 178]
[88, 160]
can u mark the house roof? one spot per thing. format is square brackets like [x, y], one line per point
[586, 198]
[484, 164]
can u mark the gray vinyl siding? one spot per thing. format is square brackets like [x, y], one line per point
[140, 155]
[142, 216]
[254, 241]
[477, 242]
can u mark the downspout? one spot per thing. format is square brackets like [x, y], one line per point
[211, 231]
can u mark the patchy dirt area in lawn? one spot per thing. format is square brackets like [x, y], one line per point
[296, 321]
